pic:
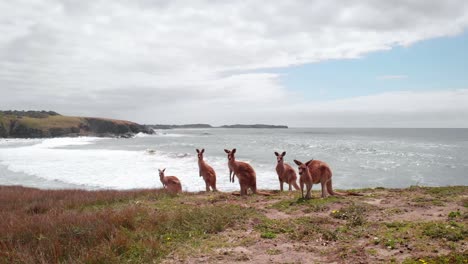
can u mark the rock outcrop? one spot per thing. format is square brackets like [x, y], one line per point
[42, 124]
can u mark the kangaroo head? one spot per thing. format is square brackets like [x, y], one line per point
[303, 168]
[200, 154]
[230, 154]
[161, 173]
[279, 157]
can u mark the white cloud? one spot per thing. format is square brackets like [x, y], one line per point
[130, 59]
[393, 109]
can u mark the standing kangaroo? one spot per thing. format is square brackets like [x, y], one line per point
[286, 173]
[171, 183]
[313, 172]
[205, 170]
[316, 171]
[243, 171]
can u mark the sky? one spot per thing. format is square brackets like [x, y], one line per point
[303, 63]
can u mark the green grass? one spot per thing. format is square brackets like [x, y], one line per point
[451, 231]
[454, 214]
[307, 206]
[446, 192]
[273, 251]
[452, 258]
[424, 235]
[354, 214]
[51, 122]
[268, 234]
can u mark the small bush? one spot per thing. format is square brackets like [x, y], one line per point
[454, 214]
[452, 258]
[268, 235]
[451, 231]
[354, 214]
[308, 206]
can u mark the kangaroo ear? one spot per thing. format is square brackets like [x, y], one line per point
[283, 154]
[159, 170]
[203, 150]
[298, 163]
[198, 151]
[227, 151]
[276, 154]
[164, 170]
[233, 151]
[307, 163]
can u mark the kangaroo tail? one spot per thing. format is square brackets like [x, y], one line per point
[346, 194]
[257, 192]
[294, 184]
[263, 193]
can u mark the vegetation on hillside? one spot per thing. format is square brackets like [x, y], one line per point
[415, 225]
[38, 124]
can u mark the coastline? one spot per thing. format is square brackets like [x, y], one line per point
[385, 225]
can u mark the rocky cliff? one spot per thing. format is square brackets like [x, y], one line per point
[41, 124]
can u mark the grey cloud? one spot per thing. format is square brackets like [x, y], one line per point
[133, 58]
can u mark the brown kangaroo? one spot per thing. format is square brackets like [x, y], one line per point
[285, 172]
[243, 171]
[316, 171]
[205, 170]
[170, 183]
[313, 172]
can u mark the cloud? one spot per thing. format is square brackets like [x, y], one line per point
[132, 59]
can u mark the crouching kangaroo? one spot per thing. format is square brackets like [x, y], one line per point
[286, 173]
[170, 183]
[207, 172]
[244, 172]
[314, 172]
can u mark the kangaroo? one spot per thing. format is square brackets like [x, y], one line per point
[286, 173]
[205, 170]
[244, 172]
[171, 183]
[316, 171]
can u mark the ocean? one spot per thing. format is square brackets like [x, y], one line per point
[359, 158]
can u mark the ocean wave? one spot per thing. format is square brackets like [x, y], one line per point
[18, 141]
[108, 169]
[66, 141]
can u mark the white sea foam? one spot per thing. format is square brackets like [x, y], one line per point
[62, 142]
[103, 168]
[18, 141]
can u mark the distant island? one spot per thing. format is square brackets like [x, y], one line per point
[210, 126]
[44, 124]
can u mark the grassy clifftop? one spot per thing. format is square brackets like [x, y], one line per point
[414, 225]
[38, 124]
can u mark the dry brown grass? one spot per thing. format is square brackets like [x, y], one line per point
[76, 226]
[55, 226]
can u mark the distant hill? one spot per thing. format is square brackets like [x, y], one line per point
[42, 124]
